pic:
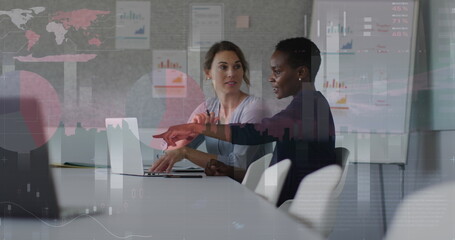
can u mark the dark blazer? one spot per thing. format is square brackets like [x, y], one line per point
[304, 133]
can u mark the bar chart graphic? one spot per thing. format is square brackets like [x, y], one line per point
[140, 30]
[334, 84]
[347, 46]
[169, 64]
[169, 83]
[338, 29]
[340, 102]
[130, 15]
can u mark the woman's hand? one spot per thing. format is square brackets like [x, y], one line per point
[167, 161]
[203, 118]
[184, 132]
[217, 168]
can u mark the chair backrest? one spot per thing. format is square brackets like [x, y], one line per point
[314, 203]
[425, 214]
[272, 181]
[342, 156]
[255, 170]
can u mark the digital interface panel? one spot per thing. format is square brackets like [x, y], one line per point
[367, 59]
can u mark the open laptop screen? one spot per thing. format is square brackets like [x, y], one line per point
[124, 146]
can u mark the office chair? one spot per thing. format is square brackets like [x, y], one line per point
[315, 203]
[342, 158]
[426, 214]
[254, 172]
[272, 181]
[342, 155]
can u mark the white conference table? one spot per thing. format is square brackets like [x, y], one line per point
[131, 207]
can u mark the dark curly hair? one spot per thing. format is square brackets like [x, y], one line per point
[301, 52]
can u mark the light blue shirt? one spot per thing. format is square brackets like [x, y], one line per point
[250, 110]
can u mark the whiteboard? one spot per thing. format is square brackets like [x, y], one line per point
[367, 50]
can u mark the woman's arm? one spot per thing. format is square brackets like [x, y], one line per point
[199, 158]
[167, 161]
[252, 111]
[178, 152]
[217, 168]
[187, 132]
[174, 154]
[270, 129]
[243, 134]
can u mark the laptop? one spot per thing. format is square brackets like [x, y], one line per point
[125, 149]
[26, 183]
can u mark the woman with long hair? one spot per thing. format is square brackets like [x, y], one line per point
[225, 66]
[304, 130]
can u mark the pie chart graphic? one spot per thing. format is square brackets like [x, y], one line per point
[160, 99]
[29, 111]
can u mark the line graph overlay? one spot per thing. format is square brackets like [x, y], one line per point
[74, 219]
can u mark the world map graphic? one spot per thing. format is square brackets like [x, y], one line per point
[60, 24]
